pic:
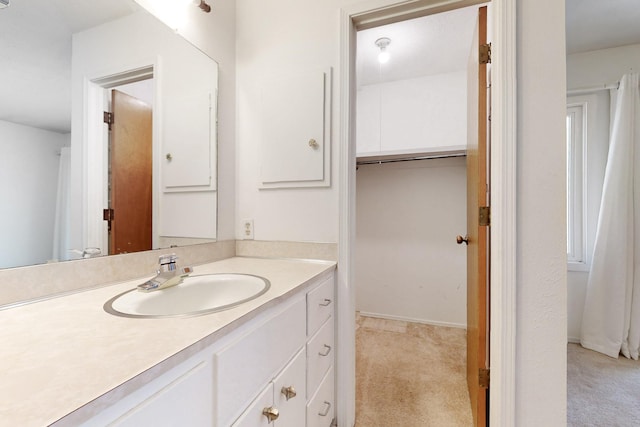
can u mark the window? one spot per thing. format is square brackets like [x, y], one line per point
[575, 182]
[587, 148]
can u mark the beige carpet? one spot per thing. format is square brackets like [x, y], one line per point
[601, 391]
[410, 375]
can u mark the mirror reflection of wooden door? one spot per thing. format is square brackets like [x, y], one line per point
[477, 224]
[130, 175]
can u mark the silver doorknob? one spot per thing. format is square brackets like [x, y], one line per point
[460, 239]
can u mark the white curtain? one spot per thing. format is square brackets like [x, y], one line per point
[611, 318]
[61, 224]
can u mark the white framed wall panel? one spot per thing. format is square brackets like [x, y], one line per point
[296, 124]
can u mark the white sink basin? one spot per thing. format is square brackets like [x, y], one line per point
[197, 295]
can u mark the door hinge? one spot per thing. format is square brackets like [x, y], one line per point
[483, 377]
[484, 215]
[107, 215]
[485, 53]
[107, 117]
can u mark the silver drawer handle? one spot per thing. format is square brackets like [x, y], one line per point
[326, 352]
[326, 302]
[326, 411]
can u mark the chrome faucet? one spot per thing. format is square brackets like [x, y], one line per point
[167, 275]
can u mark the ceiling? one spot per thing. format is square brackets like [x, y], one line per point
[434, 44]
[601, 24]
[35, 41]
[440, 43]
[36, 36]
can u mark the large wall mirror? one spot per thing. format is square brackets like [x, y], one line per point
[70, 180]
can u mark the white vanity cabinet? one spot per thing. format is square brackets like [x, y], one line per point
[243, 368]
[276, 370]
[320, 355]
[180, 396]
[310, 372]
[282, 403]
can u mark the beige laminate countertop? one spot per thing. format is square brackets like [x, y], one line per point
[67, 355]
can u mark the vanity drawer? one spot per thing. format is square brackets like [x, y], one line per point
[245, 366]
[320, 355]
[320, 304]
[321, 408]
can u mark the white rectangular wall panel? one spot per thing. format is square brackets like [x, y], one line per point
[295, 138]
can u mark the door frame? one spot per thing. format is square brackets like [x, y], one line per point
[502, 344]
[95, 147]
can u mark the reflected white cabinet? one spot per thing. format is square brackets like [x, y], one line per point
[282, 359]
[189, 139]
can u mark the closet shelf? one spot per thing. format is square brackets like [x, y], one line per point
[413, 154]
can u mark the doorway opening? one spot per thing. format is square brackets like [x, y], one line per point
[410, 190]
[601, 59]
[504, 195]
[137, 89]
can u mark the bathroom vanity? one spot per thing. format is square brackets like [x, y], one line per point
[269, 361]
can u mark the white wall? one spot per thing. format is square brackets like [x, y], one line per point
[284, 35]
[408, 264]
[541, 301]
[585, 70]
[414, 114]
[30, 157]
[601, 67]
[274, 38]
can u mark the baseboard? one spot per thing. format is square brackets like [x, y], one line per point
[573, 340]
[413, 320]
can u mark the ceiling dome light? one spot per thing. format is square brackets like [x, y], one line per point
[382, 43]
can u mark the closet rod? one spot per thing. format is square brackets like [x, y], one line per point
[408, 159]
[583, 90]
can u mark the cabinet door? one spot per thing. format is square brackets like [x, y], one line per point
[296, 153]
[245, 366]
[254, 415]
[188, 125]
[289, 392]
